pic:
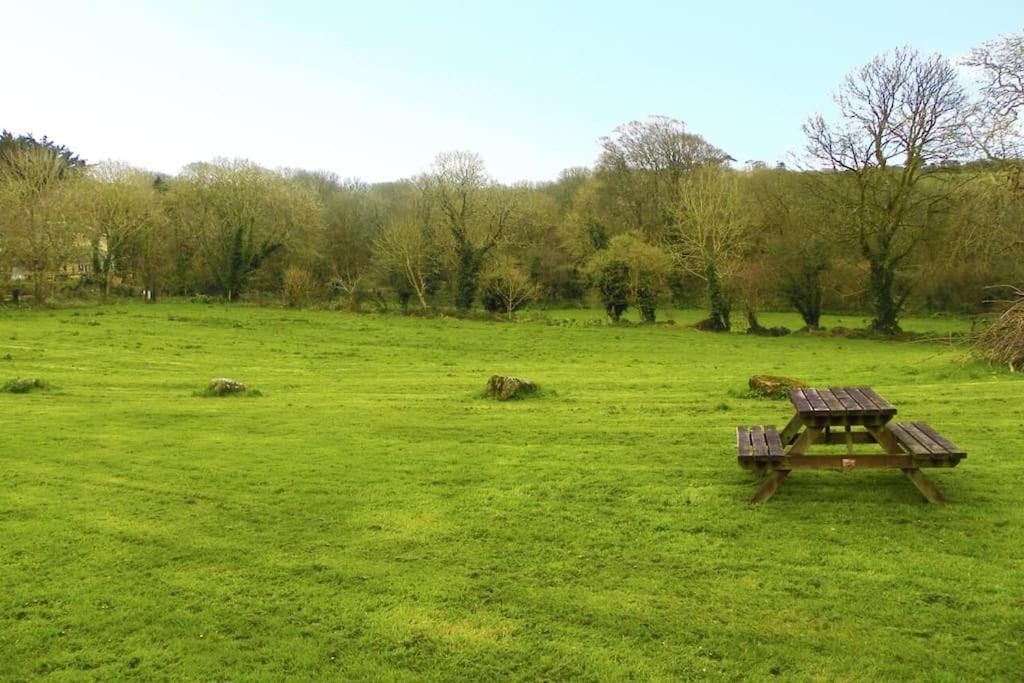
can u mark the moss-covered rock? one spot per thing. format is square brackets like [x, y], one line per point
[222, 386]
[22, 385]
[503, 388]
[773, 386]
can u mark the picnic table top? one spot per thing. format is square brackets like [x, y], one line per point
[847, 402]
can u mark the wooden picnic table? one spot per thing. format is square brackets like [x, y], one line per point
[844, 416]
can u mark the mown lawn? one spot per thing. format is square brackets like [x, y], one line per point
[370, 516]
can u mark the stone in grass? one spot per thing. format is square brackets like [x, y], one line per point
[773, 386]
[504, 388]
[22, 385]
[222, 386]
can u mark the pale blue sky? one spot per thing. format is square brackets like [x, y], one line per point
[376, 89]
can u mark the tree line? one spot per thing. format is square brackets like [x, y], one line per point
[910, 196]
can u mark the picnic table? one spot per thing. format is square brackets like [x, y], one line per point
[845, 416]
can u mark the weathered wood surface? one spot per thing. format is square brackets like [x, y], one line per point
[924, 442]
[759, 444]
[841, 406]
[775, 448]
[743, 442]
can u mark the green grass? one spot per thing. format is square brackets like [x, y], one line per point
[372, 517]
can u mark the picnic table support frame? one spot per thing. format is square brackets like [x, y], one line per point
[924, 485]
[770, 486]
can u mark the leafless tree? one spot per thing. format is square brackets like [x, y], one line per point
[901, 116]
[642, 165]
[476, 214]
[511, 286]
[994, 126]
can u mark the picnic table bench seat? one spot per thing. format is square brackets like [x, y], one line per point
[924, 443]
[759, 444]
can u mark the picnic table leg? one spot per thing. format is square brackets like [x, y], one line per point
[790, 431]
[770, 486]
[804, 441]
[886, 440]
[924, 485]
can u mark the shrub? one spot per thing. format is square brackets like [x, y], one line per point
[299, 286]
[507, 289]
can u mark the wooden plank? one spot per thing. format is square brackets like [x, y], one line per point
[933, 446]
[800, 402]
[850, 404]
[817, 404]
[854, 437]
[771, 435]
[907, 439]
[758, 441]
[884, 406]
[813, 461]
[835, 406]
[743, 441]
[865, 403]
[938, 438]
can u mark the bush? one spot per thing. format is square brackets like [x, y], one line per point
[299, 285]
[491, 301]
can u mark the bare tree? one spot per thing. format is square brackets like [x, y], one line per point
[708, 234]
[241, 214]
[994, 127]
[34, 203]
[641, 166]
[117, 203]
[475, 212]
[900, 117]
[404, 248]
[511, 286]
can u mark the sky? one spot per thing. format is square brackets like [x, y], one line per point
[375, 89]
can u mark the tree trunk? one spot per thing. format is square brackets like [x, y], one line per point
[467, 276]
[753, 324]
[718, 321]
[37, 286]
[885, 301]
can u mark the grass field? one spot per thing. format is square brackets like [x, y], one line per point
[370, 516]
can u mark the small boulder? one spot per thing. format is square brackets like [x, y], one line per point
[773, 386]
[504, 388]
[222, 386]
